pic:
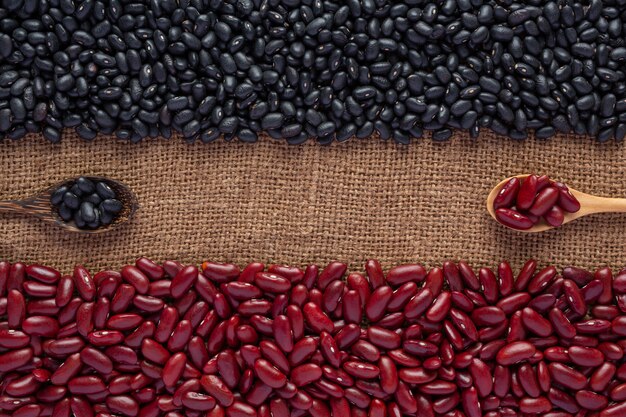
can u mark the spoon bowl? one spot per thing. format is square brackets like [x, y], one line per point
[589, 204]
[40, 206]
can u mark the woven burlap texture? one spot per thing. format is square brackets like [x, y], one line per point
[276, 203]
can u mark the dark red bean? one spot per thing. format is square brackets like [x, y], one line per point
[544, 201]
[305, 374]
[574, 297]
[488, 316]
[527, 192]
[482, 377]
[43, 273]
[183, 281]
[469, 400]
[316, 319]
[541, 280]
[514, 219]
[561, 324]
[267, 373]
[591, 400]
[515, 352]
[418, 304]
[383, 338]
[440, 307]
[567, 201]
[535, 323]
[507, 194]
[566, 376]
[554, 216]
[86, 385]
[16, 308]
[84, 283]
[377, 304]
[401, 274]
[40, 326]
[136, 278]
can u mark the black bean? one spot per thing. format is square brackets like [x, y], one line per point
[71, 200]
[272, 121]
[85, 185]
[57, 196]
[111, 206]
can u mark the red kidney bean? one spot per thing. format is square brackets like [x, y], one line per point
[417, 375]
[544, 201]
[366, 350]
[333, 271]
[351, 308]
[5, 267]
[591, 400]
[566, 376]
[84, 283]
[505, 279]
[348, 336]
[574, 297]
[136, 278]
[561, 324]
[418, 304]
[316, 319]
[464, 324]
[329, 349]
[506, 195]
[272, 352]
[514, 302]
[434, 281]
[271, 282]
[541, 280]
[585, 356]
[383, 338]
[488, 316]
[401, 274]
[440, 307]
[16, 308]
[13, 339]
[535, 323]
[514, 219]
[527, 192]
[43, 273]
[40, 326]
[377, 304]
[470, 280]
[594, 326]
[567, 201]
[220, 272]
[482, 377]
[267, 373]
[535, 405]
[184, 281]
[515, 352]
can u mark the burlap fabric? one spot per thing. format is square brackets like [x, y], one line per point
[272, 202]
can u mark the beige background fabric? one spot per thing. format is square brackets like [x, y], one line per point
[276, 203]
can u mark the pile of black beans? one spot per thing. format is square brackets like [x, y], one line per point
[89, 204]
[324, 69]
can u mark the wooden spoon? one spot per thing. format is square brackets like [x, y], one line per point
[589, 204]
[40, 206]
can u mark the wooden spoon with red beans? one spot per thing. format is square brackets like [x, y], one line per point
[533, 203]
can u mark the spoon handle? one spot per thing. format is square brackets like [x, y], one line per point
[12, 206]
[606, 205]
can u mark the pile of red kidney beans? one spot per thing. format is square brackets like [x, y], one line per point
[172, 340]
[523, 202]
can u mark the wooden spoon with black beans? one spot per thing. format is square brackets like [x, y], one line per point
[84, 205]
